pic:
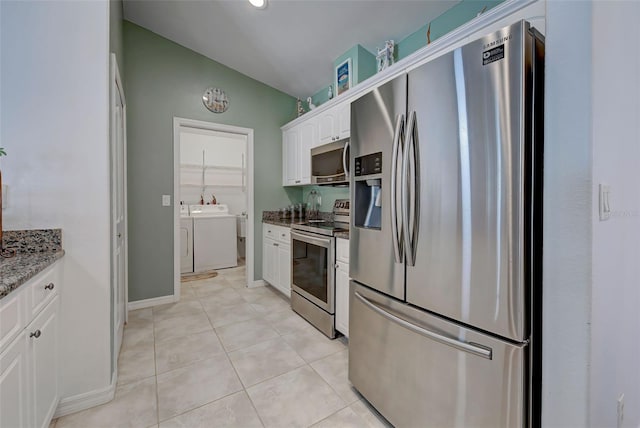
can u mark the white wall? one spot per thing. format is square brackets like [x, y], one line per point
[54, 125]
[615, 317]
[567, 216]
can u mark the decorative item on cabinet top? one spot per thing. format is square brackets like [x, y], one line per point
[342, 76]
[385, 57]
[216, 100]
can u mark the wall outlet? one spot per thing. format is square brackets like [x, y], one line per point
[166, 200]
[620, 410]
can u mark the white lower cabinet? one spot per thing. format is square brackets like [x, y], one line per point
[13, 385]
[342, 286]
[276, 257]
[29, 392]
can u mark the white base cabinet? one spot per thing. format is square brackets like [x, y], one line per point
[342, 286]
[29, 392]
[276, 257]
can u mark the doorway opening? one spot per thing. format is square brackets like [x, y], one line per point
[213, 188]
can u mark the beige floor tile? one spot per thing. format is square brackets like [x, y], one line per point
[134, 405]
[374, 419]
[187, 293]
[136, 362]
[240, 335]
[253, 294]
[313, 345]
[210, 287]
[140, 316]
[225, 297]
[238, 283]
[234, 411]
[287, 322]
[200, 383]
[179, 352]
[178, 309]
[135, 334]
[296, 399]
[334, 369]
[264, 361]
[179, 326]
[223, 315]
[345, 418]
[268, 304]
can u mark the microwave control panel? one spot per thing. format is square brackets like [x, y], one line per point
[369, 164]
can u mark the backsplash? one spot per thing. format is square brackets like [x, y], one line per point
[328, 195]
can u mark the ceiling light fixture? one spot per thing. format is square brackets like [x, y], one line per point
[259, 4]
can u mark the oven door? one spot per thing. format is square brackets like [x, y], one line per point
[312, 274]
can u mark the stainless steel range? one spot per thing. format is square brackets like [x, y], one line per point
[312, 274]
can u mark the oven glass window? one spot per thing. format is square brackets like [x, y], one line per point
[310, 268]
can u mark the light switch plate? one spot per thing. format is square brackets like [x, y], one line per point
[604, 203]
[166, 200]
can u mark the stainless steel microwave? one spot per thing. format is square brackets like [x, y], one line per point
[330, 163]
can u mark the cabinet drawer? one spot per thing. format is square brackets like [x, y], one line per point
[12, 320]
[342, 250]
[42, 289]
[284, 235]
[268, 231]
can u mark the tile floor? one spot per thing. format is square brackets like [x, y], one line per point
[228, 356]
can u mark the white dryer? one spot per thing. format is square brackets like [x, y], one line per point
[186, 240]
[214, 237]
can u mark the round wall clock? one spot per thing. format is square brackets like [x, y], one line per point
[215, 100]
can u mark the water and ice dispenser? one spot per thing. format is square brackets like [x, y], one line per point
[367, 194]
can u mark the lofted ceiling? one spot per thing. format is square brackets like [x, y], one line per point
[291, 44]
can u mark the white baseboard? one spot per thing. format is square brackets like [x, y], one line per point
[258, 283]
[147, 303]
[86, 400]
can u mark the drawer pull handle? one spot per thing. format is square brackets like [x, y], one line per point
[35, 334]
[49, 286]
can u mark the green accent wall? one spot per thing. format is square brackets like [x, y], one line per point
[166, 80]
[364, 62]
[458, 15]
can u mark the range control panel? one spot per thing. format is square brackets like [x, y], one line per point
[369, 164]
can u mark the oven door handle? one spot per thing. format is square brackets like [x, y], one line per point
[311, 239]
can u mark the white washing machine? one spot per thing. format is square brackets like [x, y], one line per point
[186, 240]
[214, 237]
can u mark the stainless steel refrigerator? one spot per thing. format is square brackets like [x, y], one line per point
[445, 238]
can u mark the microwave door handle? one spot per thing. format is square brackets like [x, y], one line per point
[398, 135]
[345, 160]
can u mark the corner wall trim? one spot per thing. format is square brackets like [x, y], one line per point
[147, 303]
[86, 400]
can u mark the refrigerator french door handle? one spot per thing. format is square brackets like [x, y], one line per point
[471, 348]
[410, 233]
[398, 136]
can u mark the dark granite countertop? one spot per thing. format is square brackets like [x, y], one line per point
[35, 251]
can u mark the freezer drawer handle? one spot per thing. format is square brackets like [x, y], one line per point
[463, 346]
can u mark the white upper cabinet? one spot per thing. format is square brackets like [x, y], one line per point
[331, 125]
[335, 123]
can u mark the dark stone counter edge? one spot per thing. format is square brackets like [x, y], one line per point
[23, 267]
[288, 223]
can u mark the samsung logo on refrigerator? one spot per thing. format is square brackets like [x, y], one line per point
[501, 40]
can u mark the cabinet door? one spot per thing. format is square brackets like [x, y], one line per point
[268, 261]
[326, 126]
[284, 269]
[290, 157]
[342, 298]
[344, 120]
[13, 385]
[307, 138]
[42, 346]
